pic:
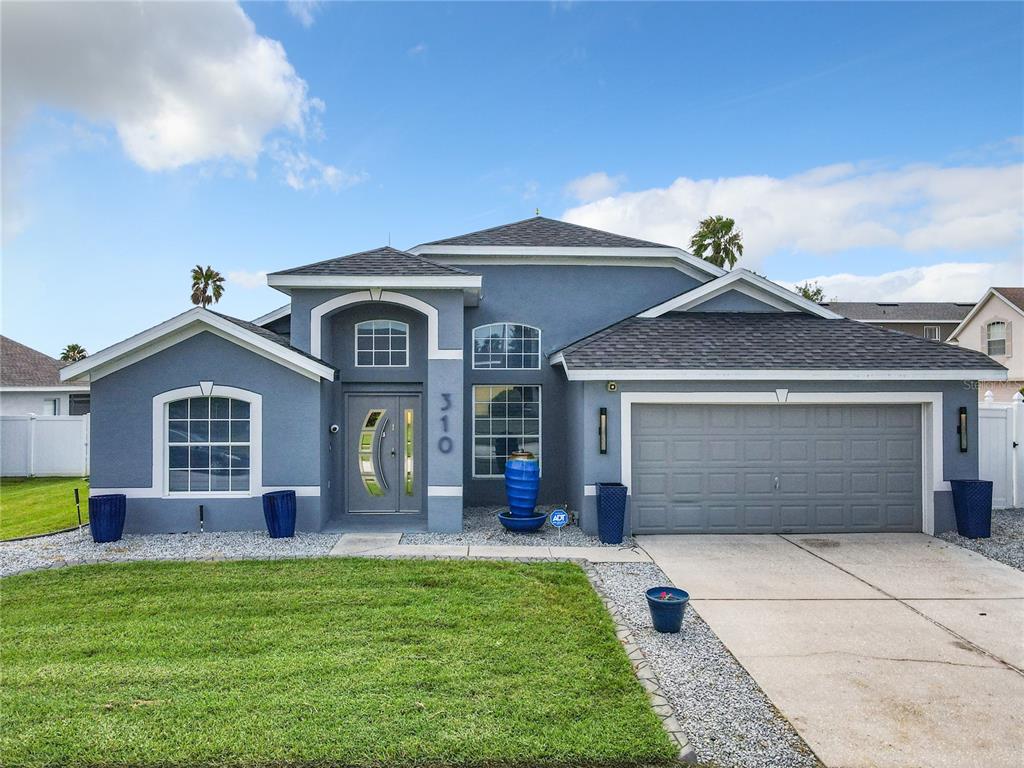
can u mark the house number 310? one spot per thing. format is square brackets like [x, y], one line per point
[445, 444]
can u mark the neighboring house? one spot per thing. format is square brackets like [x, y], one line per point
[391, 390]
[990, 328]
[933, 320]
[30, 383]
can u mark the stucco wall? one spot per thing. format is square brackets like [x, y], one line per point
[566, 303]
[33, 401]
[607, 467]
[122, 431]
[734, 301]
[973, 336]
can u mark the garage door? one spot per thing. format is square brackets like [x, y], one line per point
[771, 469]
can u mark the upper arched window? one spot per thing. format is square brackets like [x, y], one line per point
[382, 344]
[506, 346]
[995, 335]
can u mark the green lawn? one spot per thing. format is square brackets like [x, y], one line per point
[30, 505]
[317, 662]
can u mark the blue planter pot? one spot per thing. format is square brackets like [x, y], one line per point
[518, 524]
[106, 517]
[279, 512]
[611, 512]
[522, 482]
[667, 614]
[972, 504]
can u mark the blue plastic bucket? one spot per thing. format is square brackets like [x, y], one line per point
[522, 482]
[106, 517]
[279, 512]
[972, 504]
[667, 612]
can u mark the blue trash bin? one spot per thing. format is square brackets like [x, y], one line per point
[106, 517]
[972, 503]
[279, 512]
[611, 512]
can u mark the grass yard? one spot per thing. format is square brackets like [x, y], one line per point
[317, 662]
[30, 505]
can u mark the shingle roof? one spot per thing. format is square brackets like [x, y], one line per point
[22, 366]
[783, 340]
[1013, 295]
[945, 311]
[259, 330]
[379, 261]
[541, 231]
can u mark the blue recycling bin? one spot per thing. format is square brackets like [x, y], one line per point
[611, 512]
[279, 512]
[972, 504]
[106, 517]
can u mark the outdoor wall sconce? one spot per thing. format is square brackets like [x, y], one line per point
[602, 430]
[961, 429]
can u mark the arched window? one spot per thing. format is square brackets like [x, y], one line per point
[208, 445]
[995, 335]
[506, 346]
[382, 344]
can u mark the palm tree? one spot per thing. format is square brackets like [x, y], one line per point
[207, 286]
[716, 240]
[72, 353]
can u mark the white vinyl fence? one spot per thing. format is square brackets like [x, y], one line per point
[1000, 450]
[44, 445]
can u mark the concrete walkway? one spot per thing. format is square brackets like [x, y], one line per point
[881, 649]
[387, 545]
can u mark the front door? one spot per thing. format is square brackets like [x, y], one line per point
[382, 454]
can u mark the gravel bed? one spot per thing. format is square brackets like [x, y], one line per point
[74, 547]
[1007, 542]
[727, 717]
[480, 526]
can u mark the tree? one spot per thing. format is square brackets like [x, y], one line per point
[812, 292]
[207, 286]
[72, 353]
[717, 240]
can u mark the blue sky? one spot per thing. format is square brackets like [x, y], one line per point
[874, 147]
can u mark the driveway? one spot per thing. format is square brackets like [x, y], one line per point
[881, 649]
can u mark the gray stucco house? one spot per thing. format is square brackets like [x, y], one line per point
[391, 388]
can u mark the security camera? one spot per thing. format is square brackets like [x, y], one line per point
[334, 429]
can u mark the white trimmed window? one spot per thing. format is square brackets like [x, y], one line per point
[208, 445]
[382, 344]
[995, 335]
[506, 419]
[506, 346]
[931, 332]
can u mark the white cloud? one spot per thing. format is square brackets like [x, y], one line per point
[302, 171]
[593, 186]
[181, 83]
[949, 281]
[831, 209]
[248, 280]
[417, 50]
[304, 11]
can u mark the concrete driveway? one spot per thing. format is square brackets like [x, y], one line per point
[881, 649]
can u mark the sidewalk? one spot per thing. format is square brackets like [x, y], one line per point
[387, 545]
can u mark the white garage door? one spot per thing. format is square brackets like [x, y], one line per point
[773, 469]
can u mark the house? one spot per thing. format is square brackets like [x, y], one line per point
[391, 390]
[30, 383]
[934, 320]
[989, 328]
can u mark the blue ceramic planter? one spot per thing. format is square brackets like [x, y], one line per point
[522, 481]
[972, 505]
[522, 524]
[667, 613]
[106, 517]
[279, 512]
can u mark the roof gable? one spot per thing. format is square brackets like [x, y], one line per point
[745, 282]
[196, 320]
[22, 366]
[1013, 298]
